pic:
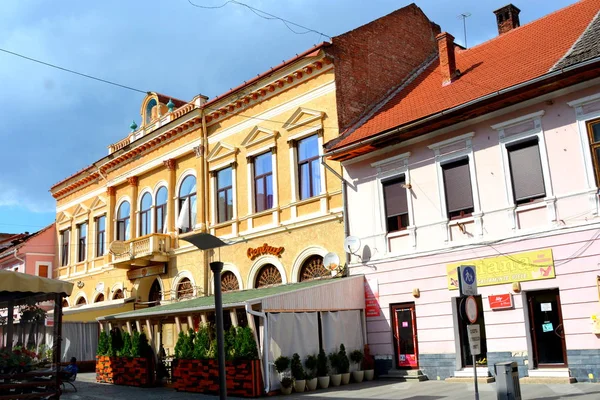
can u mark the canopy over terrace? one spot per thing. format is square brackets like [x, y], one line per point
[259, 308]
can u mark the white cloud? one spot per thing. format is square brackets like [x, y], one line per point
[14, 197]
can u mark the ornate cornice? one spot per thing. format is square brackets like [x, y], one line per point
[133, 181]
[171, 163]
[111, 190]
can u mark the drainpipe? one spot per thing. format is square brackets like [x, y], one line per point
[20, 259]
[265, 352]
[206, 199]
[344, 204]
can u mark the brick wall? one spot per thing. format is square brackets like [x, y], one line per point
[375, 58]
[124, 371]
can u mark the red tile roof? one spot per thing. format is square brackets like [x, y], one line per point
[518, 56]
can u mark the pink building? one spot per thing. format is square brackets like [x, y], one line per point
[487, 156]
[29, 253]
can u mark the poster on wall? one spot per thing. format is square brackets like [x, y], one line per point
[516, 267]
[372, 298]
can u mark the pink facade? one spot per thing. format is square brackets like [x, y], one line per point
[31, 254]
[410, 265]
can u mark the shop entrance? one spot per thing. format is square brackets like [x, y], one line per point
[546, 325]
[463, 321]
[404, 326]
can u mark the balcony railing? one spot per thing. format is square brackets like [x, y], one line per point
[144, 250]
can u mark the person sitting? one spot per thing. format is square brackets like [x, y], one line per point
[70, 370]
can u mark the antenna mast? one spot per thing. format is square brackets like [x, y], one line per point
[464, 17]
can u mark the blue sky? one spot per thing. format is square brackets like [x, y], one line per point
[55, 123]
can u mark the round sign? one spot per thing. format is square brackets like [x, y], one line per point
[352, 244]
[471, 309]
[331, 261]
[468, 275]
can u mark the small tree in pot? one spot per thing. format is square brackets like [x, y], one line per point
[356, 357]
[298, 374]
[282, 363]
[344, 365]
[311, 366]
[322, 370]
[334, 361]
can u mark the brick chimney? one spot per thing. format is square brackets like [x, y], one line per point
[507, 18]
[447, 61]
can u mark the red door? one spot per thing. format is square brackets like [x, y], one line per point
[404, 325]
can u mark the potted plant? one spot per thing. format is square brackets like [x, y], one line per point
[356, 357]
[334, 361]
[322, 370]
[368, 364]
[282, 363]
[298, 374]
[344, 365]
[311, 366]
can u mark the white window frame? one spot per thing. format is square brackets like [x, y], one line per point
[294, 179]
[87, 229]
[139, 211]
[116, 217]
[50, 270]
[446, 158]
[213, 194]
[402, 169]
[157, 187]
[61, 232]
[95, 218]
[251, 156]
[504, 141]
[175, 195]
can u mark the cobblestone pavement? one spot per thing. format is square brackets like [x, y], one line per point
[385, 390]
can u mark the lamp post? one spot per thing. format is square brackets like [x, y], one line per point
[206, 241]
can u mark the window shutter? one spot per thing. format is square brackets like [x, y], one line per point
[395, 197]
[457, 184]
[526, 171]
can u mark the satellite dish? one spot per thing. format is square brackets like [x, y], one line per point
[352, 244]
[118, 248]
[331, 261]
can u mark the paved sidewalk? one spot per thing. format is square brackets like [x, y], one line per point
[384, 390]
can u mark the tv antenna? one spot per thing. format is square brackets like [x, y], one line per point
[464, 17]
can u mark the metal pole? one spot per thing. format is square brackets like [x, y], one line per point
[216, 267]
[475, 378]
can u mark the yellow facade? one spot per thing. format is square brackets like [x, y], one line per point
[269, 116]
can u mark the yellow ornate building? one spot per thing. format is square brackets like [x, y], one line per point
[245, 166]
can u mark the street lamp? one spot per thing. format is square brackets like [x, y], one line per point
[206, 241]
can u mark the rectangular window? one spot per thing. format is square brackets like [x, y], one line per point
[593, 128]
[457, 185]
[64, 247]
[81, 240]
[526, 171]
[309, 168]
[43, 271]
[100, 235]
[396, 204]
[263, 182]
[224, 195]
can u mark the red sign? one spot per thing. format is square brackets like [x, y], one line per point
[500, 301]
[372, 298]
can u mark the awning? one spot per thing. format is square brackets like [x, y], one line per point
[16, 285]
[315, 295]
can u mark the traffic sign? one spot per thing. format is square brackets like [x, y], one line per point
[474, 339]
[467, 280]
[471, 309]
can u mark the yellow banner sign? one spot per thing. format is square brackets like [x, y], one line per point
[519, 267]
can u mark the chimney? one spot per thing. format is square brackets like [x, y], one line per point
[507, 18]
[447, 61]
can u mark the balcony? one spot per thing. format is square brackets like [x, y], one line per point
[142, 251]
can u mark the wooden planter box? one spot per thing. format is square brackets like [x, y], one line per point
[243, 377]
[124, 371]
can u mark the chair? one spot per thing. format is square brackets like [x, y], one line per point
[69, 380]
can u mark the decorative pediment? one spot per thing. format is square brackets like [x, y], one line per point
[221, 151]
[81, 210]
[98, 203]
[303, 117]
[63, 217]
[259, 135]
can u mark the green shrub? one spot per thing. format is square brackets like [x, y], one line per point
[229, 343]
[344, 362]
[297, 370]
[143, 346]
[322, 367]
[334, 361]
[202, 343]
[356, 357]
[126, 351]
[311, 366]
[103, 343]
[179, 345]
[245, 345]
[135, 345]
[282, 363]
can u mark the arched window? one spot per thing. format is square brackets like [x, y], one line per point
[313, 268]
[187, 205]
[154, 294]
[65, 303]
[145, 208]
[81, 301]
[229, 282]
[100, 298]
[118, 294]
[268, 276]
[151, 104]
[123, 220]
[160, 210]
[185, 290]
